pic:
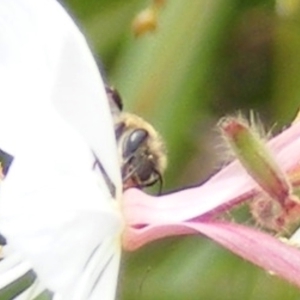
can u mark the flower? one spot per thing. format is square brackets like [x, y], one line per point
[196, 210]
[55, 210]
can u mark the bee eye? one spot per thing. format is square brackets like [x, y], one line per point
[135, 139]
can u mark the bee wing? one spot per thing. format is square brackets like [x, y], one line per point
[54, 210]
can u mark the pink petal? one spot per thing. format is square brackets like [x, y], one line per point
[286, 147]
[134, 238]
[228, 187]
[140, 208]
[286, 137]
[259, 248]
[190, 211]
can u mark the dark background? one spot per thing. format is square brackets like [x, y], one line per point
[207, 59]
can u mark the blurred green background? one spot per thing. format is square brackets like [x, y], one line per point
[206, 59]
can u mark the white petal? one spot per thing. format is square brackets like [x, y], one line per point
[54, 209]
[19, 276]
[42, 48]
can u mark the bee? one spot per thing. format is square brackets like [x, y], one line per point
[141, 150]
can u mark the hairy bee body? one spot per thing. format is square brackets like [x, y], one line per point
[141, 150]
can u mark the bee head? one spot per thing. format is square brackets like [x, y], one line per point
[142, 152]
